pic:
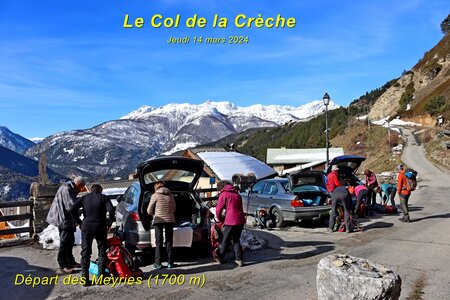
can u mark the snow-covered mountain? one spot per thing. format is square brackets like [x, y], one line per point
[279, 114]
[36, 140]
[13, 141]
[116, 147]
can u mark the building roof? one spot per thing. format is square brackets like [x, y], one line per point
[280, 156]
[302, 167]
[111, 187]
[226, 164]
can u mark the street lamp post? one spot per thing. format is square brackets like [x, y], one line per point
[326, 101]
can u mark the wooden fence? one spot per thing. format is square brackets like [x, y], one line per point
[209, 196]
[15, 213]
[27, 216]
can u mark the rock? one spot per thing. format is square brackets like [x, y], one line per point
[347, 277]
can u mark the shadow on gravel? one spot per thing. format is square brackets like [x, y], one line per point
[14, 275]
[376, 225]
[272, 252]
[441, 216]
[415, 208]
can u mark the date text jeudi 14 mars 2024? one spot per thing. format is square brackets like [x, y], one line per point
[233, 39]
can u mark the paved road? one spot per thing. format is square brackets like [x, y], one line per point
[419, 251]
[286, 268]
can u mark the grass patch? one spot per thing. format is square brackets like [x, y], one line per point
[417, 292]
[373, 144]
[434, 150]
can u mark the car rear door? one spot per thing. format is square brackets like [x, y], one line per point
[126, 206]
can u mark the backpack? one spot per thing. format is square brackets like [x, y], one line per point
[411, 179]
[390, 209]
[119, 261]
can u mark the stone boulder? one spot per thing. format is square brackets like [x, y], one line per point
[346, 277]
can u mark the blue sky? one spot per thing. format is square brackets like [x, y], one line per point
[70, 64]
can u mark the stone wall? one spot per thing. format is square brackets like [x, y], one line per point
[42, 196]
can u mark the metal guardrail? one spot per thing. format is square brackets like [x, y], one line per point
[25, 216]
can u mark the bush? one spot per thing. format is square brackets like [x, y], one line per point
[437, 105]
[407, 96]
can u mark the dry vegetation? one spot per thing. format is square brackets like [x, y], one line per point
[433, 140]
[373, 144]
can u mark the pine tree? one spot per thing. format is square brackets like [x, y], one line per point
[445, 25]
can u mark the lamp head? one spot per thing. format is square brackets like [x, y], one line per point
[326, 99]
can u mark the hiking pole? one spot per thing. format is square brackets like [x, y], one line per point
[248, 202]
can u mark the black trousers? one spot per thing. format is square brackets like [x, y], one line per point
[86, 251]
[363, 194]
[168, 230]
[371, 197]
[340, 196]
[232, 233]
[66, 241]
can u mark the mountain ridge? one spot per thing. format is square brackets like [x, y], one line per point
[117, 146]
[14, 141]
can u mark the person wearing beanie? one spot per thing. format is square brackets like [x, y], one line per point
[98, 214]
[59, 215]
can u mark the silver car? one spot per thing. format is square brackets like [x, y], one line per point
[192, 217]
[289, 200]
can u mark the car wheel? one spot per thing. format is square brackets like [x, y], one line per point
[277, 217]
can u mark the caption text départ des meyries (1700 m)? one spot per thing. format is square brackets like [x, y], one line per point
[240, 21]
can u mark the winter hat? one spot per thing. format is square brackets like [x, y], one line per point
[334, 168]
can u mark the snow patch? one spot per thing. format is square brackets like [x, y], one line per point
[104, 161]
[396, 122]
[36, 140]
[180, 147]
[49, 237]
[69, 151]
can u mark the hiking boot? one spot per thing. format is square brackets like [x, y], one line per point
[239, 263]
[87, 283]
[75, 265]
[64, 271]
[403, 219]
[157, 266]
[217, 256]
[171, 265]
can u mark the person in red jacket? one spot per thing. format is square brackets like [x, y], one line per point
[231, 202]
[404, 193]
[332, 179]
